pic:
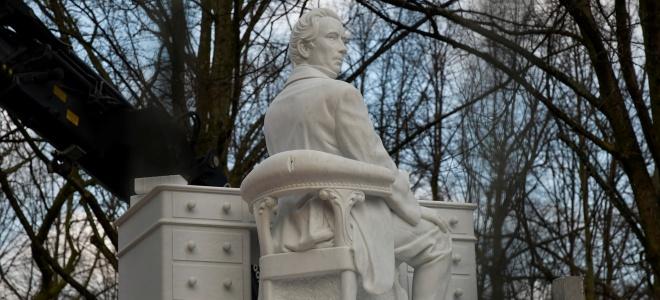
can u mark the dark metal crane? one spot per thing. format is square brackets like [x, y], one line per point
[46, 87]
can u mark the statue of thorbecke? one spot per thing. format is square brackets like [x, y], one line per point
[317, 112]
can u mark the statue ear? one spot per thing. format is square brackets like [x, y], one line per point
[303, 49]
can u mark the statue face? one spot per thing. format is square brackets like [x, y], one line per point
[328, 48]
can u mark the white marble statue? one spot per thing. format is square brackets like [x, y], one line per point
[317, 112]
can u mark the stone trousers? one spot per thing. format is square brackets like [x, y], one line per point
[426, 245]
[307, 223]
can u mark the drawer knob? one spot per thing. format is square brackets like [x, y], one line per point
[191, 246]
[453, 221]
[226, 246]
[192, 282]
[458, 292]
[191, 205]
[226, 207]
[456, 258]
[227, 284]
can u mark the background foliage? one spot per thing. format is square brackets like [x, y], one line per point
[545, 113]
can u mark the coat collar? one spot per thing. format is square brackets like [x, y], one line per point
[308, 71]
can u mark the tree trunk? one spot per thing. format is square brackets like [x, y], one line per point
[215, 101]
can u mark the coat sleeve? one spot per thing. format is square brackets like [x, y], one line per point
[357, 139]
[355, 133]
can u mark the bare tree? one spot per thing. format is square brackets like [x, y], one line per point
[218, 58]
[622, 62]
[552, 131]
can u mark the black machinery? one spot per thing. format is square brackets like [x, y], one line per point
[46, 87]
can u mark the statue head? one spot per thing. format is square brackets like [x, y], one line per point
[318, 39]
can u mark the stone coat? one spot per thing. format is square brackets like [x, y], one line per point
[317, 112]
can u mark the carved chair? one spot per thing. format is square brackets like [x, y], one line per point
[341, 181]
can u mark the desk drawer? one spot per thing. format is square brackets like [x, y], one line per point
[462, 288]
[207, 206]
[463, 258]
[459, 220]
[207, 246]
[204, 282]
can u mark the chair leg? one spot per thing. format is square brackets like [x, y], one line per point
[266, 287]
[348, 285]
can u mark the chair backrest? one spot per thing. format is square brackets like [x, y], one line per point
[304, 171]
[301, 171]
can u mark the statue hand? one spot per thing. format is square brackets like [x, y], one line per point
[435, 219]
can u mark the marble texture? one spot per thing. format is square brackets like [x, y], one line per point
[332, 181]
[185, 242]
[156, 263]
[315, 111]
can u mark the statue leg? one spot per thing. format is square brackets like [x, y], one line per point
[427, 248]
[431, 280]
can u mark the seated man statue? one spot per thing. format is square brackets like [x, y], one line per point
[317, 112]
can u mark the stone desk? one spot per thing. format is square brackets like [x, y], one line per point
[180, 241]
[185, 242]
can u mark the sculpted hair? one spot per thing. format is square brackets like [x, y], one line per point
[306, 30]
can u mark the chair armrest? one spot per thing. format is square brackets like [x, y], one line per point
[302, 171]
[339, 180]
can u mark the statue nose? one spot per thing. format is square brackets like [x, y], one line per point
[342, 47]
